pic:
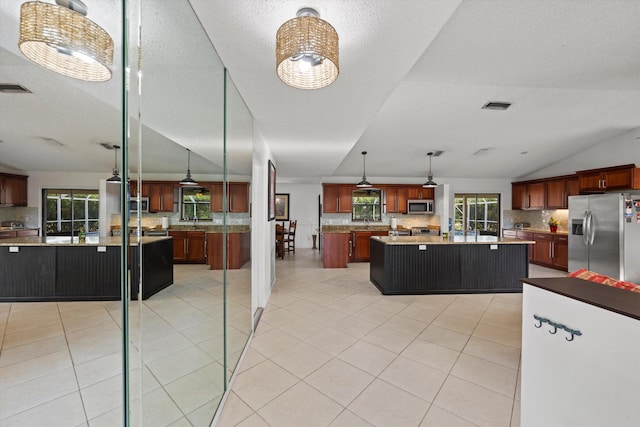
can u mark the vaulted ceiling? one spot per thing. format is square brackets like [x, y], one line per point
[414, 75]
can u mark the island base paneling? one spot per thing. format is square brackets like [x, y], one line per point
[81, 272]
[405, 269]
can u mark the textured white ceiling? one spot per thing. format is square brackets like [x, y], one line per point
[413, 76]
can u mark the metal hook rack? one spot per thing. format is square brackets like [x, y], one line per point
[573, 332]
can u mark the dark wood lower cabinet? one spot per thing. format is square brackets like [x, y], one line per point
[238, 250]
[361, 244]
[188, 247]
[550, 250]
[335, 249]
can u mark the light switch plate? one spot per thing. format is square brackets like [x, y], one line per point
[14, 249]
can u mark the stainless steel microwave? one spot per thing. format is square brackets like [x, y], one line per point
[420, 207]
[143, 202]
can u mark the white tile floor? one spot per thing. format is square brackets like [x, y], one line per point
[61, 363]
[330, 350]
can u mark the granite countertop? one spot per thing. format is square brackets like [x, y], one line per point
[350, 228]
[64, 241]
[212, 228]
[539, 230]
[454, 240]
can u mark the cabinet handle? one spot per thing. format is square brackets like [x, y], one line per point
[604, 183]
[350, 248]
[186, 247]
[338, 203]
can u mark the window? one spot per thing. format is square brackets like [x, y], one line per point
[67, 212]
[477, 214]
[196, 203]
[366, 205]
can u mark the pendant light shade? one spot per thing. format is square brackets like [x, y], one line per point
[188, 180]
[364, 183]
[115, 179]
[62, 39]
[430, 182]
[307, 51]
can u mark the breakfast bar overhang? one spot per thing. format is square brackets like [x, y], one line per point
[409, 265]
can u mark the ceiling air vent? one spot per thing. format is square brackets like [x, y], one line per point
[13, 88]
[496, 105]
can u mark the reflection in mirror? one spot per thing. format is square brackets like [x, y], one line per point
[239, 150]
[367, 205]
[180, 330]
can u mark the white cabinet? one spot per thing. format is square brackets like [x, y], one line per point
[592, 380]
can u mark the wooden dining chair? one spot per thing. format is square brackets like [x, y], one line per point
[280, 241]
[290, 238]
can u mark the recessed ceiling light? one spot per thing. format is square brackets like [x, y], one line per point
[494, 105]
[13, 88]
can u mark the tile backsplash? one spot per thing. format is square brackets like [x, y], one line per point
[404, 221]
[538, 219]
[25, 214]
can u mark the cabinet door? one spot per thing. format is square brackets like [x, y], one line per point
[345, 198]
[160, 196]
[542, 250]
[536, 195]
[561, 252]
[15, 190]
[238, 197]
[360, 249]
[215, 203]
[555, 193]
[330, 199]
[519, 196]
[179, 245]
[335, 249]
[337, 198]
[195, 246]
[620, 179]
[427, 193]
[572, 188]
[590, 181]
[395, 199]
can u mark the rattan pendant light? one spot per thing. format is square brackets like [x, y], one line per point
[307, 51]
[62, 39]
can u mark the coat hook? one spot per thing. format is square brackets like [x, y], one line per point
[555, 328]
[539, 319]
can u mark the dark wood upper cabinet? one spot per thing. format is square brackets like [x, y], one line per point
[395, 199]
[13, 190]
[336, 198]
[559, 189]
[528, 195]
[624, 177]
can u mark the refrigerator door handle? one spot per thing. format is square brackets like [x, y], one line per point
[585, 229]
[592, 229]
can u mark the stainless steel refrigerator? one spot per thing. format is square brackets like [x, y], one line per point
[604, 234]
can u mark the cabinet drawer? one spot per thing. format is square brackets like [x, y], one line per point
[561, 239]
[540, 236]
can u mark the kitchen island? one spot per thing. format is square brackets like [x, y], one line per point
[57, 269]
[404, 265]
